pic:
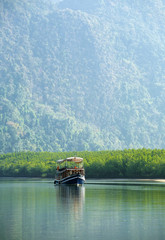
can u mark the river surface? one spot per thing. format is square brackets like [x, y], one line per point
[37, 210]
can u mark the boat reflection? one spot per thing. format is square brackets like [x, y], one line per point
[71, 198]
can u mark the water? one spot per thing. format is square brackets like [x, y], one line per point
[38, 210]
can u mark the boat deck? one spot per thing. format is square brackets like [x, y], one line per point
[65, 172]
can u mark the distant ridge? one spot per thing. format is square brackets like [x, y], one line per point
[81, 75]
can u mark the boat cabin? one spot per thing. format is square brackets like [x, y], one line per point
[69, 167]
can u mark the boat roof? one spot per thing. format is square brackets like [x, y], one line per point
[71, 159]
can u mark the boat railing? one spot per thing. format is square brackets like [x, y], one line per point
[62, 170]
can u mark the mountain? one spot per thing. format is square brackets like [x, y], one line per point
[81, 75]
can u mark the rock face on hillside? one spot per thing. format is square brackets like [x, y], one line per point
[81, 75]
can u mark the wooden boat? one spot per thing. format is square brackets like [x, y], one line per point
[70, 171]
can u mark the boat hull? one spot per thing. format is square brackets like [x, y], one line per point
[76, 179]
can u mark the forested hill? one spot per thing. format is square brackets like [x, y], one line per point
[81, 75]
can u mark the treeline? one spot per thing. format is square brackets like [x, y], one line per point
[131, 163]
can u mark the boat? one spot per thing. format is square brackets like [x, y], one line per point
[70, 171]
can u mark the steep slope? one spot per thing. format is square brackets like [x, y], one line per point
[81, 75]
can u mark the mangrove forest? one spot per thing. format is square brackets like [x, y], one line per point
[128, 163]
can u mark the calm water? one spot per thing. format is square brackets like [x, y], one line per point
[38, 210]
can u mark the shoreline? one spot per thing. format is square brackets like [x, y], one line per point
[127, 181]
[97, 181]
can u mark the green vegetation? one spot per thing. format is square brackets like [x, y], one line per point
[81, 75]
[141, 163]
